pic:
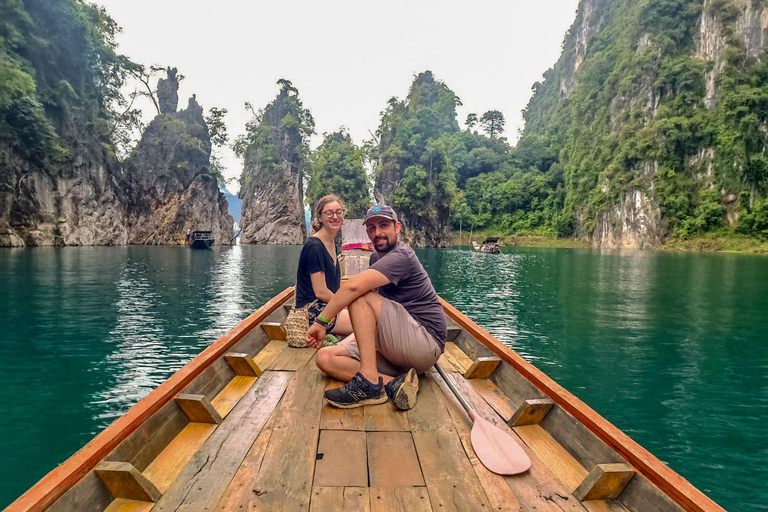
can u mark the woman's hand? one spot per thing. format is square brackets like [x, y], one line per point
[316, 335]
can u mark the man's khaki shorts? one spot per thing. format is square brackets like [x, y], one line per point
[401, 343]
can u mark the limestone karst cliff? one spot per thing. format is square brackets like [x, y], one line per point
[272, 180]
[643, 110]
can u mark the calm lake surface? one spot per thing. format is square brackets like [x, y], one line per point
[671, 348]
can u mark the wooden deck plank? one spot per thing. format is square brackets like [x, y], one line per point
[461, 361]
[495, 398]
[551, 453]
[124, 505]
[341, 419]
[241, 486]
[392, 460]
[340, 499]
[269, 353]
[203, 481]
[280, 485]
[450, 480]
[228, 397]
[445, 363]
[168, 465]
[400, 499]
[292, 359]
[604, 506]
[499, 494]
[538, 487]
[342, 459]
[385, 417]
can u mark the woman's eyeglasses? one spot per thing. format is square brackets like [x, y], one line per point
[331, 213]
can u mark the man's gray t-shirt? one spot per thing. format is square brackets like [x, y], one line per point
[412, 288]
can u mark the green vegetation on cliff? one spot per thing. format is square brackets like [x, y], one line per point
[336, 167]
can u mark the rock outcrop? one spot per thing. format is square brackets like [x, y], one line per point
[622, 204]
[272, 187]
[162, 190]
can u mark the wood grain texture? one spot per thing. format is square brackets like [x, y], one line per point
[240, 488]
[499, 494]
[538, 487]
[340, 499]
[494, 397]
[392, 460]
[58, 481]
[88, 495]
[482, 367]
[457, 357]
[168, 465]
[124, 481]
[274, 330]
[287, 486]
[292, 359]
[604, 506]
[604, 482]
[123, 505]
[448, 474]
[334, 418]
[269, 353]
[669, 482]
[400, 499]
[342, 459]
[198, 408]
[560, 462]
[242, 364]
[531, 412]
[204, 479]
[385, 417]
[232, 393]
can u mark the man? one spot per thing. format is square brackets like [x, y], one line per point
[399, 331]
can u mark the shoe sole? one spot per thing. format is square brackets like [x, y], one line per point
[370, 401]
[405, 396]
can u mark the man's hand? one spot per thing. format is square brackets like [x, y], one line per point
[316, 335]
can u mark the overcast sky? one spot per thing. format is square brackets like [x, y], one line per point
[347, 58]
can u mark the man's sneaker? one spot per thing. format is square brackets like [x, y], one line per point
[402, 390]
[356, 392]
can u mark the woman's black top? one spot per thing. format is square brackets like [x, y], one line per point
[315, 258]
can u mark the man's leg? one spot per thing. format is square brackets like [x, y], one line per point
[364, 314]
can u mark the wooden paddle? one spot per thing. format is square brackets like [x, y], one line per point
[496, 449]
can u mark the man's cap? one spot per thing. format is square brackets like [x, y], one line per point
[380, 210]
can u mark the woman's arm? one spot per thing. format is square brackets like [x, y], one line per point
[319, 287]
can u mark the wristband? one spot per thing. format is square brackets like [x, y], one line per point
[320, 322]
[323, 319]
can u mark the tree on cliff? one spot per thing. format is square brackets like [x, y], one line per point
[493, 122]
[217, 131]
[415, 175]
[471, 121]
[275, 148]
[336, 167]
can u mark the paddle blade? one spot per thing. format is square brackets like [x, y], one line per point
[497, 450]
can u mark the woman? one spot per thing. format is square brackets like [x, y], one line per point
[319, 275]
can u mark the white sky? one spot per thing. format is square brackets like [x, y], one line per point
[347, 58]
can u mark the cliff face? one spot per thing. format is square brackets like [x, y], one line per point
[633, 103]
[169, 189]
[163, 190]
[272, 188]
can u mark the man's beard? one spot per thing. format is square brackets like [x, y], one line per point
[388, 247]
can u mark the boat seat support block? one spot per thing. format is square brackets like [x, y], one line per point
[124, 481]
[482, 368]
[198, 408]
[604, 482]
[243, 364]
[531, 412]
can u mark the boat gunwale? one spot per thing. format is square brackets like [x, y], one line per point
[680, 490]
[62, 478]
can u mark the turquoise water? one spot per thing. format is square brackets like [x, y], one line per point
[671, 348]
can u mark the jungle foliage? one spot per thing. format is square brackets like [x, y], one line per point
[336, 167]
[636, 116]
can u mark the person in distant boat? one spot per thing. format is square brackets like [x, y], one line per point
[188, 235]
[399, 324]
[319, 276]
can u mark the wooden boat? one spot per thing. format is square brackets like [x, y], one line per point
[243, 426]
[489, 246]
[201, 240]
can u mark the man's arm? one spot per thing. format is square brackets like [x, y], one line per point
[356, 286]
